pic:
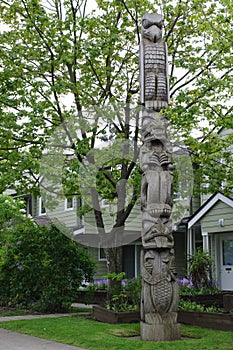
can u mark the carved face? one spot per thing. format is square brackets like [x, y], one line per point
[152, 27]
[153, 34]
[153, 129]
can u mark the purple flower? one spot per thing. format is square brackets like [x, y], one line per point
[185, 281]
[123, 283]
[19, 243]
[19, 267]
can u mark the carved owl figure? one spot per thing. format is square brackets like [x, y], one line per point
[153, 64]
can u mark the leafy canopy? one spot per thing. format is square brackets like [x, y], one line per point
[62, 62]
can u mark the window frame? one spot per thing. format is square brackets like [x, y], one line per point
[42, 209]
[66, 207]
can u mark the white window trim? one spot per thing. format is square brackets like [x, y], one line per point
[40, 207]
[104, 203]
[65, 205]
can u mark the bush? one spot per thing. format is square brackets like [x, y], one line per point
[40, 268]
[134, 288]
[188, 305]
[200, 269]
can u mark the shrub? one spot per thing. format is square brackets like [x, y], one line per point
[40, 268]
[188, 305]
[200, 269]
[128, 297]
[134, 288]
[11, 214]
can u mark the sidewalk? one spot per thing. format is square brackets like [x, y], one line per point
[16, 341]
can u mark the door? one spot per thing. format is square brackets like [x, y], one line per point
[226, 246]
[129, 261]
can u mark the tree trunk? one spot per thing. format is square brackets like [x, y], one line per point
[114, 265]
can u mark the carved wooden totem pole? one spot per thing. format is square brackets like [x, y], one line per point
[159, 300]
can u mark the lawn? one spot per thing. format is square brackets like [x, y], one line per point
[94, 335]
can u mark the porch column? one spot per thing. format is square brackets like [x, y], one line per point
[205, 241]
[189, 246]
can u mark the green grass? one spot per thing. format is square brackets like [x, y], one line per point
[6, 313]
[94, 335]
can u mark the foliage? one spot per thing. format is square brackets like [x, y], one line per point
[127, 298]
[193, 306]
[134, 289]
[97, 285]
[56, 65]
[120, 303]
[58, 69]
[102, 336]
[200, 269]
[42, 269]
[11, 213]
[186, 287]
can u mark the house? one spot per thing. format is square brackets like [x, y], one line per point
[211, 226]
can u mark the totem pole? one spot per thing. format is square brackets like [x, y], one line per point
[159, 301]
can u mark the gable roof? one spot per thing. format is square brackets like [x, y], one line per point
[209, 205]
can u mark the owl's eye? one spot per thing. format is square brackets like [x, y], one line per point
[146, 23]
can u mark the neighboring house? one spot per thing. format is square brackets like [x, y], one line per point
[85, 231]
[210, 226]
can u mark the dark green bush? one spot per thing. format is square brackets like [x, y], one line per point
[40, 268]
[200, 269]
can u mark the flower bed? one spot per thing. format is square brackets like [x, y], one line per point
[206, 299]
[108, 316]
[211, 320]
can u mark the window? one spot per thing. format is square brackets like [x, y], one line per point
[42, 210]
[69, 203]
[101, 255]
[104, 203]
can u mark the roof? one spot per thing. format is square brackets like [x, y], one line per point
[42, 220]
[208, 205]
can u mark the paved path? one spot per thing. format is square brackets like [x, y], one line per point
[31, 317]
[16, 341]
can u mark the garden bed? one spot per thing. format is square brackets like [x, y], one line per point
[108, 316]
[89, 297]
[211, 320]
[222, 300]
[205, 299]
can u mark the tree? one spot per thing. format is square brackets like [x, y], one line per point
[11, 214]
[55, 50]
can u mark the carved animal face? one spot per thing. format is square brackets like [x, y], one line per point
[153, 34]
[152, 27]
